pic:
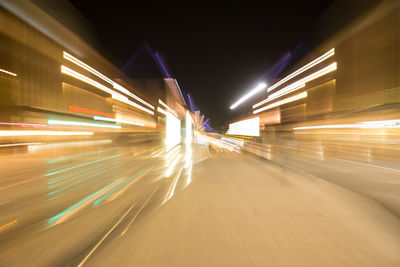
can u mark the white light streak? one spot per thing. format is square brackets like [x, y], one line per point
[301, 83]
[172, 166]
[281, 102]
[168, 108]
[161, 111]
[126, 91]
[113, 94]
[304, 68]
[8, 72]
[260, 87]
[100, 118]
[40, 133]
[37, 147]
[104, 78]
[78, 123]
[86, 67]
[189, 130]
[85, 79]
[297, 72]
[359, 125]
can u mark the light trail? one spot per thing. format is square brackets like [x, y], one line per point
[41, 133]
[82, 203]
[282, 102]
[8, 72]
[105, 236]
[140, 209]
[79, 165]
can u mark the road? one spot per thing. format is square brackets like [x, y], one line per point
[191, 206]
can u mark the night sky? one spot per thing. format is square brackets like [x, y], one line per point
[217, 51]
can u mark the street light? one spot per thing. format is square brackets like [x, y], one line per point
[260, 87]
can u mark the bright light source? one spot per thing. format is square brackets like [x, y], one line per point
[39, 133]
[78, 123]
[189, 130]
[281, 102]
[173, 131]
[8, 72]
[260, 87]
[250, 127]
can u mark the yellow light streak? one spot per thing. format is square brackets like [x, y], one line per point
[283, 101]
[8, 225]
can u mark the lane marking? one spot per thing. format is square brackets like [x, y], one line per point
[140, 209]
[105, 236]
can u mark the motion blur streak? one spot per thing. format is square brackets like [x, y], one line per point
[282, 102]
[89, 111]
[41, 133]
[74, 208]
[105, 165]
[313, 63]
[77, 123]
[259, 88]
[8, 72]
[103, 77]
[301, 83]
[98, 118]
[37, 147]
[86, 67]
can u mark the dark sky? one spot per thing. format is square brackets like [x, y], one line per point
[216, 50]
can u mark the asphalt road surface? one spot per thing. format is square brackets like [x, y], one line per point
[191, 206]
